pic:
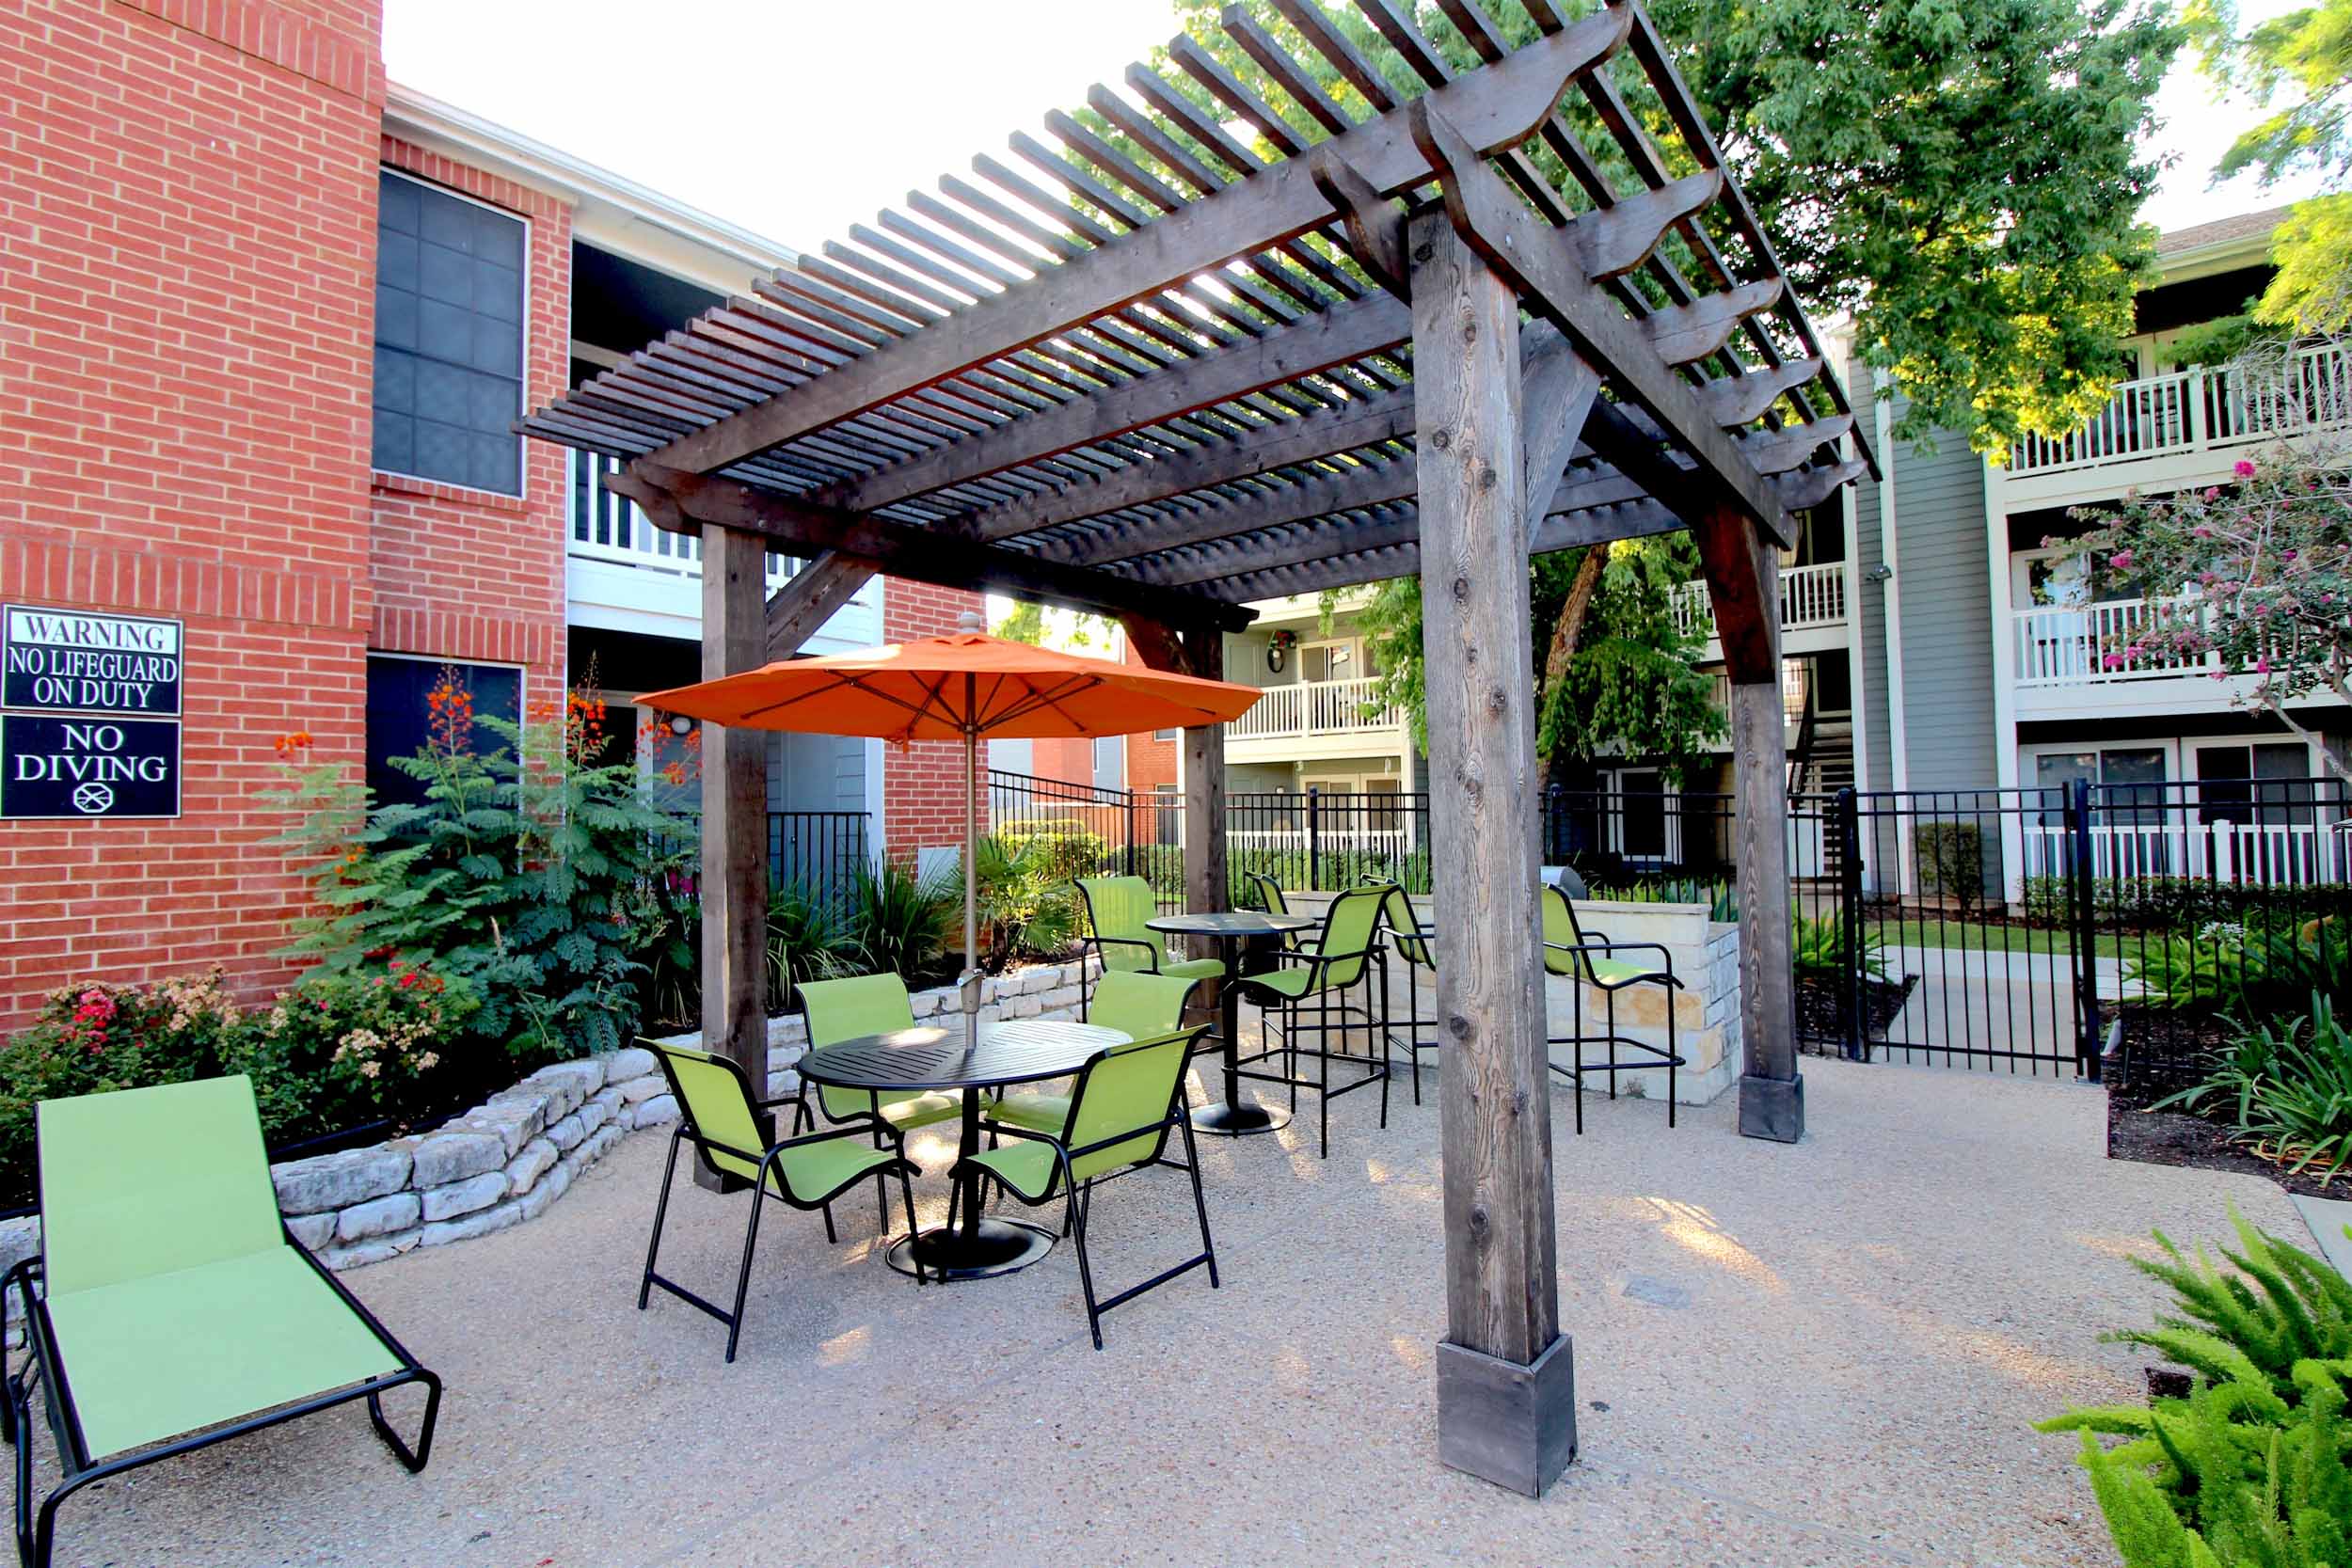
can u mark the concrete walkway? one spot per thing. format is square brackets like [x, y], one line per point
[1822, 1354]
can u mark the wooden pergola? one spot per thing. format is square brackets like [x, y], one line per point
[1199, 348]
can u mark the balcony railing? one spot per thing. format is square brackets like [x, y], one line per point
[1810, 597]
[1315, 707]
[2202, 410]
[2091, 644]
[608, 526]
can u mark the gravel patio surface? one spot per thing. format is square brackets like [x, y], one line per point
[1827, 1355]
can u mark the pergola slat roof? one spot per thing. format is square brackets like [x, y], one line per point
[1159, 356]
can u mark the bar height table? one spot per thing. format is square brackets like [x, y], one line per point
[1232, 930]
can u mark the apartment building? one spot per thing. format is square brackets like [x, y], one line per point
[268, 322]
[1985, 660]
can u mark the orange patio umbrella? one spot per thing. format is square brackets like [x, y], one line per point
[962, 686]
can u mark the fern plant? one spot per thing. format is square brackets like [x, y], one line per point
[2250, 1469]
[2285, 1090]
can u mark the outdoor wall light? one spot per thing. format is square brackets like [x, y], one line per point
[1880, 573]
[681, 725]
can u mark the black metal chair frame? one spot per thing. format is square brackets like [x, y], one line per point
[1413, 1022]
[763, 1116]
[805, 1119]
[1311, 956]
[1582, 976]
[36, 1534]
[1078, 1196]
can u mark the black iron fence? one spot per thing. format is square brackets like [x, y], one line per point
[818, 851]
[2009, 929]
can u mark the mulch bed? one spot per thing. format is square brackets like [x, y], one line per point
[1820, 1031]
[2176, 1138]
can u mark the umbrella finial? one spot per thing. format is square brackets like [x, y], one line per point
[971, 621]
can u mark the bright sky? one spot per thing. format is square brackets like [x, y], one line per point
[796, 120]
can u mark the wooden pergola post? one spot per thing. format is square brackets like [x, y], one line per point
[735, 816]
[1506, 1383]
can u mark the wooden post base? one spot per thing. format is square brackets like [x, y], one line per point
[1772, 1108]
[1502, 1422]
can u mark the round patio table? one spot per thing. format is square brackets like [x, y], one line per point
[907, 1060]
[1231, 930]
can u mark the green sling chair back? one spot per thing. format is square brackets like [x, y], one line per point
[1138, 1004]
[174, 1299]
[837, 1010]
[1589, 957]
[1124, 1102]
[1118, 939]
[1339, 958]
[1411, 940]
[733, 1132]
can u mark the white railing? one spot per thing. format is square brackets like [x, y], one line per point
[1810, 597]
[2089, 645]
[1315, 707]
[2199, 410]
[1388, 842]
[2252, 854]
[605, 525]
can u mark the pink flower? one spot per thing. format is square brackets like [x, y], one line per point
[2213, 495]
[2112, 662]
[2120, 560]
[2244, 469]
[2201, 533]
[2261, 665]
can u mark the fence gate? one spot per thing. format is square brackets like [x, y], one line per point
[1915, 943]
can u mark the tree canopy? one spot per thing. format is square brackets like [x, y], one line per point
[2300, 65]
[1960, 176]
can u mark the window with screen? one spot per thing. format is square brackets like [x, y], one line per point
[399, 715]
[449, 337]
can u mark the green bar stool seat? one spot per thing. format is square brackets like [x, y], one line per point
[1118, 940]
[1345, 954]
[1589, 957]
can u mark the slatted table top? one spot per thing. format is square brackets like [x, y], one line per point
[1012, 1051]
[1229, 923]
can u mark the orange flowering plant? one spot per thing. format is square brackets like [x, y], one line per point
[537, 868]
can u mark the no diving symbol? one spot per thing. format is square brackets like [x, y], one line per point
[92, 797]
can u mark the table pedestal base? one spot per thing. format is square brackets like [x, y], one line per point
[995, 1246]
[1238, 1121]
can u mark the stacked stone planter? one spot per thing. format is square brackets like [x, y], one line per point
[1705, 955]
[506, 1161]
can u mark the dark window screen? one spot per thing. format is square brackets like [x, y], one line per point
[397, 715]
[448, 338]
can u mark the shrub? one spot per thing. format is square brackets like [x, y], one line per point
[542, 875]
[1819, 951]
[807, 940]
[1026, 908]
[2249, 1468]
[1950, 856]
[337, 1051]
[2253, 972]
[1065, 849]
[2287, 1097]
[903, 924]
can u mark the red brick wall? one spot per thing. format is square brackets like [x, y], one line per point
[187, 200]
[471, 574]
[923, 785]
[1150, 763]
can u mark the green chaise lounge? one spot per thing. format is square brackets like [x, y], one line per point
[174, 1309]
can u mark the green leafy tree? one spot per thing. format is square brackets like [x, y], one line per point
[1960, 176]
[2300, 66]
[1616, 672]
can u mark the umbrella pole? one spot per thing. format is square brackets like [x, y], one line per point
[971, 978]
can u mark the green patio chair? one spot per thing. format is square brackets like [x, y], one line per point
[1272, 900]
[174, 1309]
[1125, 1099]
[733, 1132]
[1141, 1006]
[1118, 939]
[1342, 955]
[1406, 934]
[1589, 956]
[848, 1010]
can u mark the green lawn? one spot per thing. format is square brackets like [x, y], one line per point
[1911, 930]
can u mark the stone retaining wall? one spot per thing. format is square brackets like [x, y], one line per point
[508, 1159]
